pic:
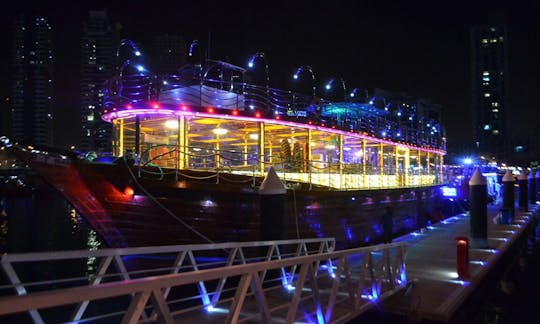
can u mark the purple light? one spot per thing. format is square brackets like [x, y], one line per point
[145, 110]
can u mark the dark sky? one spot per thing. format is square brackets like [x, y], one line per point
[421, 48]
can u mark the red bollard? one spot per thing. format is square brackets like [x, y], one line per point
[462, 259]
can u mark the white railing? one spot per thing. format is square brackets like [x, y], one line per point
[324, 287]
[128, 263]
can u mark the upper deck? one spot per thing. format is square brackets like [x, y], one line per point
[207, 116]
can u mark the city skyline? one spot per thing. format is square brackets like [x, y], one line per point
[398, 47]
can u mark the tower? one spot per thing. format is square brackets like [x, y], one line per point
[97, 61]
[489, 80]
[33, 82]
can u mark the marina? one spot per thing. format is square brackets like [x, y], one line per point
[191, 149]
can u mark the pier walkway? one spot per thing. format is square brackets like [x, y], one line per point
[436, 294]
[413, 278]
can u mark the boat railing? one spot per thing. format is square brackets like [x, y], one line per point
[101, 266]
[331, 174]
[333, 286]
[141, 87]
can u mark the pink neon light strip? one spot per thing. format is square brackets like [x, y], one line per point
[168, 112]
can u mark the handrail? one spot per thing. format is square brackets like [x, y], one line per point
[180, 258]
[355, 279]
[353, 175]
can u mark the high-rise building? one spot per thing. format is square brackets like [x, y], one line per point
[489, 80]
[33, 83]
[97, 64]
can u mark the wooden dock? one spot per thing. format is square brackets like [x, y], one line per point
[436, 294]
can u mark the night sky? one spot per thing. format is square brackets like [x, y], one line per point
[420, 48]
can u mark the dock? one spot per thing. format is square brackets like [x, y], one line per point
[414, 278]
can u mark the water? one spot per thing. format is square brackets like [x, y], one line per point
[42, 221]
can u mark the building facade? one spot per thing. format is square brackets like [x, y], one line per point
[97, 64]
[33, 82]
[489, 81]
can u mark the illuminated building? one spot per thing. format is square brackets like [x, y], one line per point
[489, 81]
[97, 61]
[33, 82]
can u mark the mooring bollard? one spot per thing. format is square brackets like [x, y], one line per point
[462, 257]
[478, 209]
[273, 212]
[537, 185]
[522, 183]
[532, 186]
[508, 195]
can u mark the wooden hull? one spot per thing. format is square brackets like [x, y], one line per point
[128, 210]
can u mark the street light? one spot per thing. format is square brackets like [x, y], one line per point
[330, 84]
[251, 65]
[308, 68]
[134, 49]
[195, 43]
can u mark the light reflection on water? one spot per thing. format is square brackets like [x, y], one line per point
[45, 221]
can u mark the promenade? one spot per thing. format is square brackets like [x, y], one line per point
[436, 294]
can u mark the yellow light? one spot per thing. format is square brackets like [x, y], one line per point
[254, 136]
[171, 124]
[219, 131]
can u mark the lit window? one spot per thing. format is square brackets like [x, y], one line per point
[484, 41]
[90, 117]
[485, 73]
[487, 127]
[495, 104]
[487, 94]
[495, 132]
[495, 110]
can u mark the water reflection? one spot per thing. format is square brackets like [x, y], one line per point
[42, 221]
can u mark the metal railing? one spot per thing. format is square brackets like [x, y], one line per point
[324, 287]
[128, 263]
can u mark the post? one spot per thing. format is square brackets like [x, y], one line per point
[537, 183]
[522, 183]
[273, 212]
[532, 186]
[508, 204]
[478, 210]
[462, 257]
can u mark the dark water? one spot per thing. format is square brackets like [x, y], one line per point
[38, 222]
[43, 221]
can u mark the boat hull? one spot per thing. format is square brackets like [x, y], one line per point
[127, 209]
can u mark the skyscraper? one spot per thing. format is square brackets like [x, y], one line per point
[97, 62]
[489, 80]
[33, 83]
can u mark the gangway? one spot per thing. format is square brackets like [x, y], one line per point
[137, 262]
[324, 286]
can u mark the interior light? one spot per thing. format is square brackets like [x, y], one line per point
[171, 124]
[219, 131]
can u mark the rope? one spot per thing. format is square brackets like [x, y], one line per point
[165, 208]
